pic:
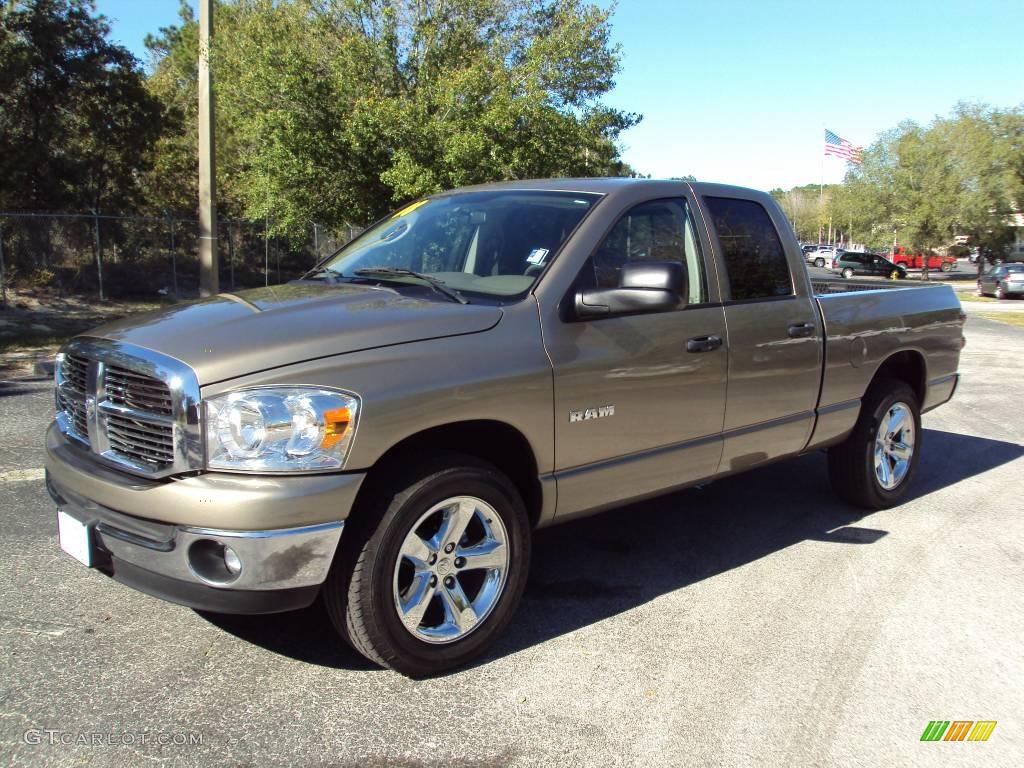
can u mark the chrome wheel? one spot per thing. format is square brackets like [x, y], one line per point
[451, 570]
[894, 446]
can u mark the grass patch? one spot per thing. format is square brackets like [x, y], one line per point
[975, 297]
[1010, 318]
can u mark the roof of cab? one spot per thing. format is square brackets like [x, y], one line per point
[605, 186]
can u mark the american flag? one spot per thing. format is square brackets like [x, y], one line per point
[839, 147]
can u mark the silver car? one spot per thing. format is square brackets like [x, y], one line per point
[1002, 281]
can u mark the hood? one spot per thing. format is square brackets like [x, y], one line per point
[232, 335]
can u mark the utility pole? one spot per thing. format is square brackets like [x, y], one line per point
[208, 267]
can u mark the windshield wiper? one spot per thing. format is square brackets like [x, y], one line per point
[318, 272]
[438, 286]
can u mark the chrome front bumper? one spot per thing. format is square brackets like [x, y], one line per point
[179, 550]
[279, 569]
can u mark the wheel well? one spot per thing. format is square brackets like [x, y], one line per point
[495, 442]
[907, 366]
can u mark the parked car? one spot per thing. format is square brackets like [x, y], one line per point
[850, 264]
[1012, 255]
[823, 256]
[1002, 281]
[385, 434]
[905, 258]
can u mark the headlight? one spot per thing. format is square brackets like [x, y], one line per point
[280, 429]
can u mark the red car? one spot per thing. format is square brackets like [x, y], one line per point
[916, 260]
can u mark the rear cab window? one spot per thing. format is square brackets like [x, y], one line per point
[754, 258]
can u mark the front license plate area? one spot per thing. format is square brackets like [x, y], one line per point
[74, 537]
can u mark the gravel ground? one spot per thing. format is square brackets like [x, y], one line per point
[755, 621]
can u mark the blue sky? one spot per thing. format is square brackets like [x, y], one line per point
[740, 92]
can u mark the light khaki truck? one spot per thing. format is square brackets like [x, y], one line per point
[386, 433]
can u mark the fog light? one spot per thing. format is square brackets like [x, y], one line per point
[234, 565]
[214, 562]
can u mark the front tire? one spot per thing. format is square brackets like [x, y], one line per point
[874, 466]
[434, 567]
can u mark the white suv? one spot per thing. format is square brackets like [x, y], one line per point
[822, 257]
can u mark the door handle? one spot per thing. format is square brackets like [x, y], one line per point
[703, 344]
[801, 330]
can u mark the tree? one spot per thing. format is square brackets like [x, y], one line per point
[75, 119]
[338, 110]
[171, 183]
[959, 175]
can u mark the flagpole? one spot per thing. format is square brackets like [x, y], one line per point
[821, 184]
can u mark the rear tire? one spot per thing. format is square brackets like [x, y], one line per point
[819, 263]
[979, 291]
[1000, 292]
[397, 591]
[867, 469]
[847, 273]
[947, 266]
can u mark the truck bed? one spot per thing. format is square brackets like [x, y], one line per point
[829, 287]
[867, 321]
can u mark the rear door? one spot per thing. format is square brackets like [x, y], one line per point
[774, 333]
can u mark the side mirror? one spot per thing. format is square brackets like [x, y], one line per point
[653, 286]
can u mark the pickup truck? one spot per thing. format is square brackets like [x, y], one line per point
[905, 258]
[384, 434]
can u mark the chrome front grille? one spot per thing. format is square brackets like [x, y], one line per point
[74, 407]
[140, 440]
[133, 390]
[129, 406]
[76, 371]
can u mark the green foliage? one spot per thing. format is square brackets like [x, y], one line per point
[959, 175]
[41, 278]
[920, 186]
[338, 110]
[76, 122]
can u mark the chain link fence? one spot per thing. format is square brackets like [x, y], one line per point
[121, 257]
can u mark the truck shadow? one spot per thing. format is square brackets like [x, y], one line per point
[595, 568]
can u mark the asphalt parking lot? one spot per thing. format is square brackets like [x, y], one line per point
[755, 621]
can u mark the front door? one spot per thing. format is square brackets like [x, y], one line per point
[639, 399]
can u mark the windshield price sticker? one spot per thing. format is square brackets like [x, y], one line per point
[537, 256]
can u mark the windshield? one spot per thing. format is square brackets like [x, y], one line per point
[492, 243]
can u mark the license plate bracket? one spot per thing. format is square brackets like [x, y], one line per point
[75, 537]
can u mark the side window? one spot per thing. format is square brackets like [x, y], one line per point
[754, 257]
[659, 230]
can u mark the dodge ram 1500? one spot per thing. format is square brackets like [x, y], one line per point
[386, 432]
